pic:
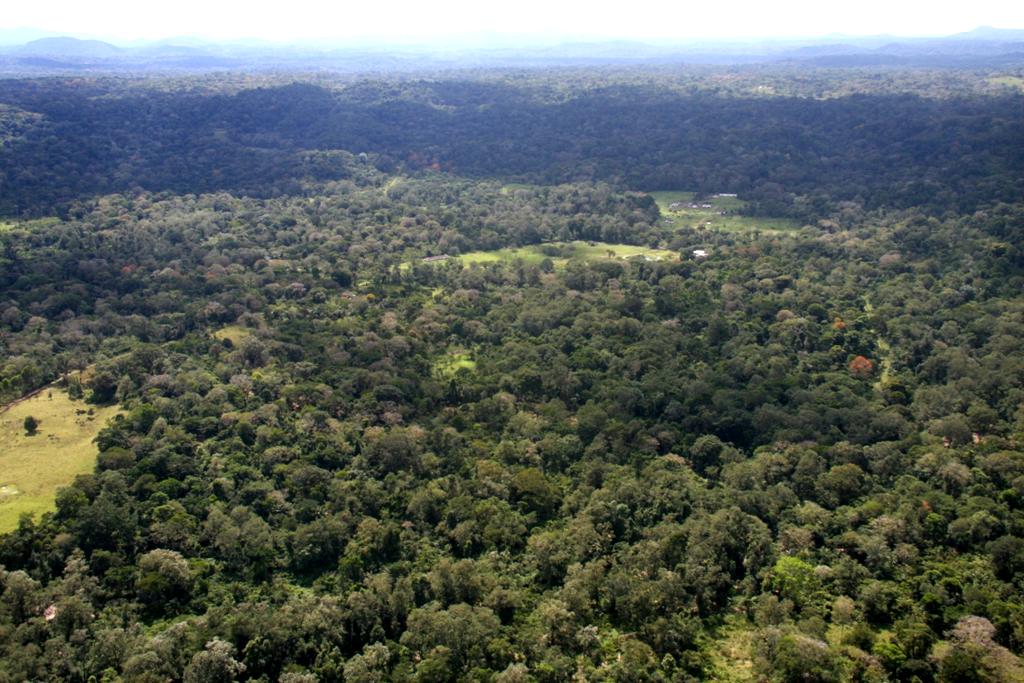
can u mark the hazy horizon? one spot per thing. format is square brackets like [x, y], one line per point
[461, 22]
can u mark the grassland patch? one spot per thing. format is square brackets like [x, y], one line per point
[391, 184]
[236, 334]
[453, 362]
[1014, 82]
[561, 253]
[731, 652]
[686, 210]
[34, 225]
[509, 188]
[32, 468]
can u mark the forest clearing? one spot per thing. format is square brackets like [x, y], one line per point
[717, 212]
[32, 468]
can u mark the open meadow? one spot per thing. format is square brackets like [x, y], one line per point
[449, 365]
[686, 210]
[561, 253]
[236, 334]
[32, 468]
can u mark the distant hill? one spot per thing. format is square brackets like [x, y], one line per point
[857, 60]
[69, 47]
[47, 63]
[830, 49]
[985, 46]
[990, 33]
[168, 50]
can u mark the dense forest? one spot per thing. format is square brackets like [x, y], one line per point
[789, 155]
[348, 453]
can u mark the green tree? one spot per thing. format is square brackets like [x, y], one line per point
[31, 425]
[215, 664]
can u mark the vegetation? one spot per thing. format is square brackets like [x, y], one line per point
[546, 457]
[35, 462]
[454, 362]
[1013, 82]
[686, 209]
[558, 254]
[236, 334]
[31, 425]
[822, 138]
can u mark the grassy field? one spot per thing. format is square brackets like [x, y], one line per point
[884, 353]
[32, 225]
[33, 467]
[711, 217]
[512, 187]
[236, 334]
[561, 253]
[450, 364]
[1008, 81]
[731, 656]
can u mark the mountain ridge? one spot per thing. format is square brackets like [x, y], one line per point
[57, 53]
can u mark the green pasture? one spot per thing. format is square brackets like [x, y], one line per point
[236, 334]
[32, 468]
[452, 362]
[1008, 81]
[561, 253]
[723, 214]
[508, 188]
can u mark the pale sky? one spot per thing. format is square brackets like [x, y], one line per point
[294, 20]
